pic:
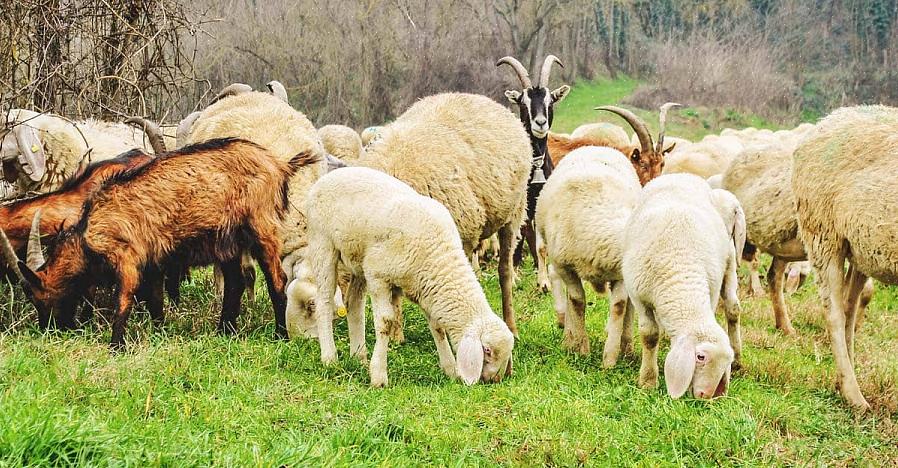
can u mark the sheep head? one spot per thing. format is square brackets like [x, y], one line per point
[484, 352]
[535, 103]
[704, 366]
[648, 159]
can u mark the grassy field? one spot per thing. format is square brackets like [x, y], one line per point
[183, 396]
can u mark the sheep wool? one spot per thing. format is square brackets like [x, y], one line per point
[679, 250]
[271, 123]
[341, 141]
[392, 239]
[581, 215]
[603, 130]
[846, 195]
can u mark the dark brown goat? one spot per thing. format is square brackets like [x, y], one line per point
[203, 204]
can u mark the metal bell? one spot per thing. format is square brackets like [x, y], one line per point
[539, 177]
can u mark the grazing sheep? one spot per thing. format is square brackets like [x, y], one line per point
[49, 149]
[843, 178]
[681, 249]
[205, 203]
[581, 216]
[341, 141]
[273, 124]
[394, 241]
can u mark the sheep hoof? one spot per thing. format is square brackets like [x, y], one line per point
[648, 381]
[579, 346]
[544, 288]
[787, 329]
[328, 358]
[377, 382]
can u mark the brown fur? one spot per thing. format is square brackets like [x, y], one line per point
[560, 145]
[61, 209]
[205, 203]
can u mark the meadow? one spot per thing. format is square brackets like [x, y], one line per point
[183, 396]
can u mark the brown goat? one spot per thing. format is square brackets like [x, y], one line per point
[648, 159]
[206, 203]
[560, 145]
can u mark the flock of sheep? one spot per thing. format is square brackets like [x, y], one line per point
[405, 209]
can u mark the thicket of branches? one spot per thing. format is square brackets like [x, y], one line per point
[101, 58]
[361, 62]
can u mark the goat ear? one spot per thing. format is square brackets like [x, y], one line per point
[679, 365]
[31, 278]
[669, 148]
[469, 359]
[513, 96]
[31, 151]
[559, 94]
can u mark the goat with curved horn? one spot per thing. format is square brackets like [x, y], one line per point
[547, 70]
[641, 129]
[663, 120]
[9, 255]
[35, 254]
[152, 131]
[518, 68]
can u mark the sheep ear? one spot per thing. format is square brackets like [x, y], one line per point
[559, 94]
[31, 150]
[679, 365]
[469, 359]
[513, 96]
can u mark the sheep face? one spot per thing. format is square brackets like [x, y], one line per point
[301, 309]
[485, 354]
[22, 144]
[703, 366]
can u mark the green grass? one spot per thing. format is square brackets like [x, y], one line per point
[692, 123]
[184, 396]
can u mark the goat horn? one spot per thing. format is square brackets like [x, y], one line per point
[9, 254]
[35, 257]
[645, 138]
[518, 68]
[547, 70]
[278, 90]
[232, 90]
[153, 132]
[664, 108]
[184, 128]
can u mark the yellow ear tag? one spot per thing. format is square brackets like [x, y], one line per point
[341, 312]
[35, 148]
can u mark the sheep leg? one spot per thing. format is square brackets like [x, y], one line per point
[248, 268]
[866, 297]
[757, 289]
[856, 282]
[626, 342]
[384, 320]
[324, 264]
[396, 332]
[575, 338]
[128, 281]
[846, 379]
[731, 309]
[447, 359]
[775, 279]
[559, 295]
[615, 327]
[355, 318]
[648, 331]
[538, 253]
[233, 292]
[506, 245]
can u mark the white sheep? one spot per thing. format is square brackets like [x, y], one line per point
[843, 178]
[469, 153]
[604, 130]
[341, 141]
[394, 241]
[681, 250]
[580, 216]
[370, 134]
[50, 149]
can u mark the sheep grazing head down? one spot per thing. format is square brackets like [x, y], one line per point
[536, 103]
[648, 159]
[702, 365]
[484, 352]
